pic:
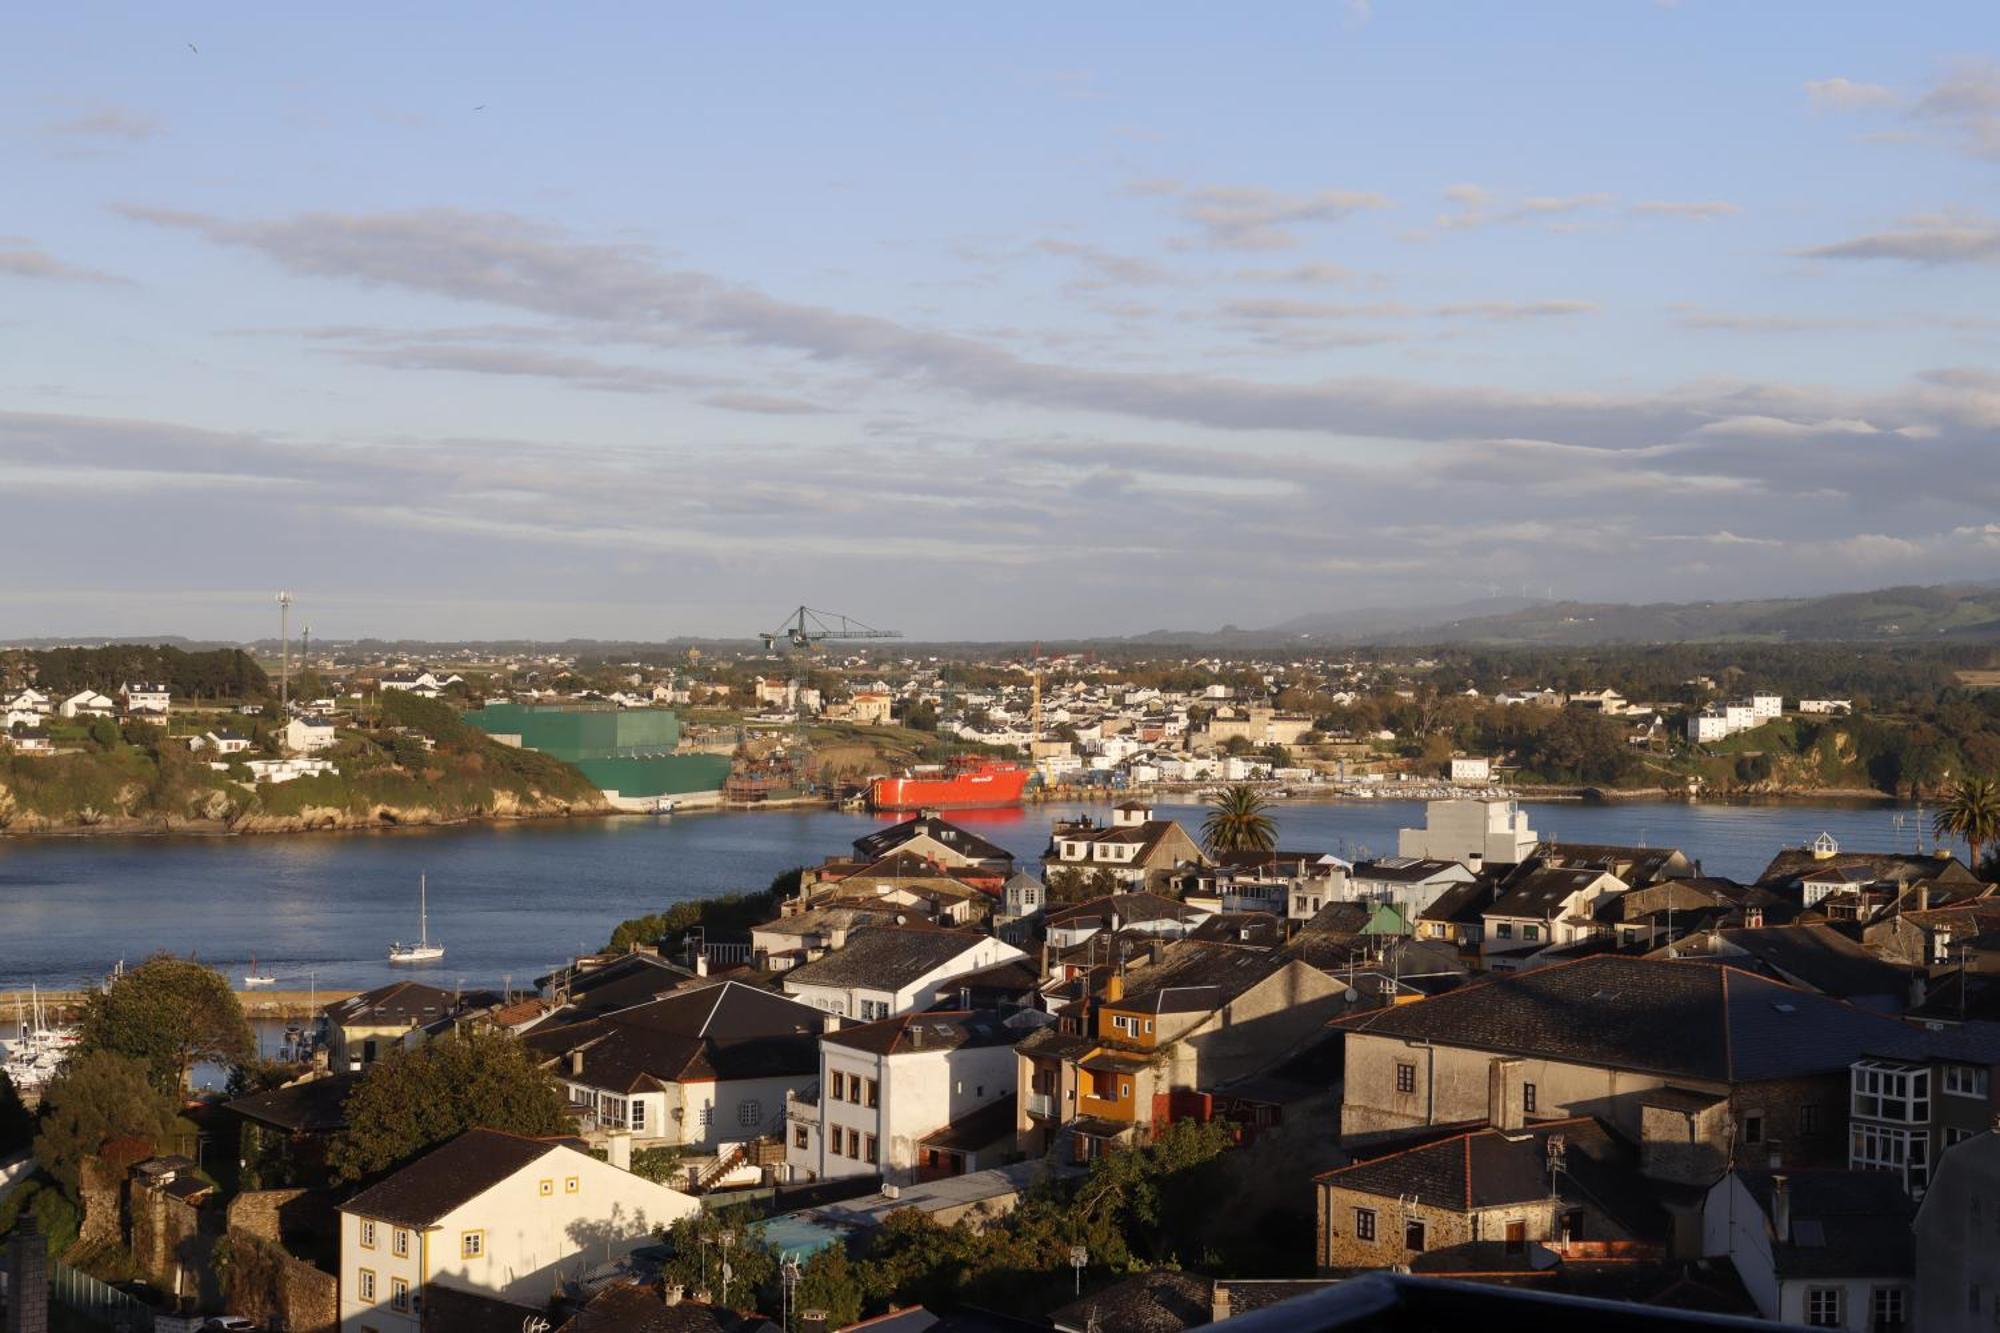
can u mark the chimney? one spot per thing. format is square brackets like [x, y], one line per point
[1218, 1302]
[1781, 1208]
[1923, 895]
[1158, 948]
[812, 1321]
[618, 1151]
[830, 1023]
[1114, 988]
[576, 1063]
[1503, 1107]
[1753, 917]
[676, 1293]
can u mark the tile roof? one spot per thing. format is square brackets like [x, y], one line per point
[1165, 1301]
[1796, 863]
[1848, 1224]
[1126, 908]
[1542, 893]
[1679, 1019]
[1815, 956]
[925, 1032]
[874, 846]
[723, 1031]
[317, 1106]
[885, 958]
[1195, 976]
[448, 1177]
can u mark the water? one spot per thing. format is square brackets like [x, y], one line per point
[517, 899]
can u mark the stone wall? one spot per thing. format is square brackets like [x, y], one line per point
[167, 1239]
[1341, 1248]
[276, 1290]
[284, 1215]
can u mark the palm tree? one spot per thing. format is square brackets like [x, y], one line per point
[1236, 822]
[1971, 812]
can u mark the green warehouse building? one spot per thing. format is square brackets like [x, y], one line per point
[627, 753]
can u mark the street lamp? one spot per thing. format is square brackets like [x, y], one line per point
[788, 1278]
[1078, 1258]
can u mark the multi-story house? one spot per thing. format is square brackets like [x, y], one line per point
[887, 970]
[1540, 909]
[486, 1226]
[1134, 849]
[1191, 1015]
[937, 840]
[363, 1028]
[1825, 1249]
[1906, 1109]
[1478, 833]
[146, 699]
[697, 1068]
[909, 1099]
[1409, 883]
[1699, 1064]
[1957, 1232]
[1140, 913]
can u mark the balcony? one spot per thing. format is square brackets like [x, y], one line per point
[1042, 1104]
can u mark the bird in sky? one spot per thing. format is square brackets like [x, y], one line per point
[192, 47]
[480, 107]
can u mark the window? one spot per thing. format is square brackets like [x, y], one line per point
[638, 1120]
[1504, 931]
[1823, 1307]
[399, 1294]
[1886, 1307]
[571, 1185]
[1528, 1097]
[1891, 1092]
[1413, 1237]
[854, 1144]
[708, 1116]
[1517, 1237]
[1406, 1077]
[799, 1136]
[1753, 1129]
[546, 1188]
[1531, 932]
[1952, 1136]
[750, 1114]
[367, 1234]
[868, 1092]
[399, 1243]
[835, 1085]
[1364, 1224]
[1124, 1023]
[1967, 1081]
[868, 1148]
[1808, 1121]
[365, 1282]
[1881, 1148]
[471, 1244]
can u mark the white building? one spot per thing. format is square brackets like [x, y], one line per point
[1707, 725]
[888, 970]
[29, 700]
[489, 1224]
[225, 742]
[701, 1068]
[286, 770]
[891, 1093]
[1827, 1249]
[1827, 707]
[1477, 832]
[1472, 770]
[308, 735]
[147, 697]
[1767, 707]
[89, 703]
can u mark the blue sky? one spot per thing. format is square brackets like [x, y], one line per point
[987, 321]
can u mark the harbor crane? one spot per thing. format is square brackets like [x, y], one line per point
[806, 628]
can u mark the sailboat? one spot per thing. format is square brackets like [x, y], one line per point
[423, 951]
[255, 978]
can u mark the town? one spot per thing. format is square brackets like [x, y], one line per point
[1161, 1077]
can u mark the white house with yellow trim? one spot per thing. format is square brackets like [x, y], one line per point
[492, 1221]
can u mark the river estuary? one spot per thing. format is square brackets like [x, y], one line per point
[513, 900]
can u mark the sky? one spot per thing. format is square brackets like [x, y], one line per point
[984, 321]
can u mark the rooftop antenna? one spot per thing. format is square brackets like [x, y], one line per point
[285, 653]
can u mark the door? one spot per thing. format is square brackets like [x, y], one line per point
[1517, 1237]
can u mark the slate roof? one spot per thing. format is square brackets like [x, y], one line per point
[1486, 1168]
[979, 1128]
[925, 1032]
[1404, 869]
[1815, 956]
[448, 1177]
[400, 1003]
[1010, 982]
[631, 980]
[318, 1106]
[629, 1307]
[724, 1031]
[874, 846]
[1634, 865]
[1463, 904]
[1679, 1019]
[1127, 907]
[1165, 1301]
[1542, 893]
[1299, 864]
[1796, 863]
[885, 958]
[1263, 929]
[1849, 1224]
[1195, 977]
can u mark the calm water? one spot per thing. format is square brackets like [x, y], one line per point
[518, 899]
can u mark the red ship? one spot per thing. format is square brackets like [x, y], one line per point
[963, 784]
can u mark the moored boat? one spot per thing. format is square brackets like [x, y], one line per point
[970, 783]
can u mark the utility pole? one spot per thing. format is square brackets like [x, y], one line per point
[285, 655]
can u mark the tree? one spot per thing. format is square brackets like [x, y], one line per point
[828, 1281]
[413, 1099]
[169, 1013]
[96, 1096]
[1237, 822]
[704, 1241]
[1971, 811]
[17, 1124]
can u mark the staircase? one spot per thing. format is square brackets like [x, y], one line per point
[705, 1179]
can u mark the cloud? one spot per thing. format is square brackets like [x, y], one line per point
[1695, 317]
[1930, 239]
[1967, 101]
[579, 372]
[763, 404]
[1107, 269]
[1511, 310]
[1299, 274]
[24, 259]
[1476, 206]
[1838, 94]
[107, 122]
[1778, 428]
[1693, 211]
[1250, 217]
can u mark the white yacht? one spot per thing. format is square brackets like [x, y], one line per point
[423, 951]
